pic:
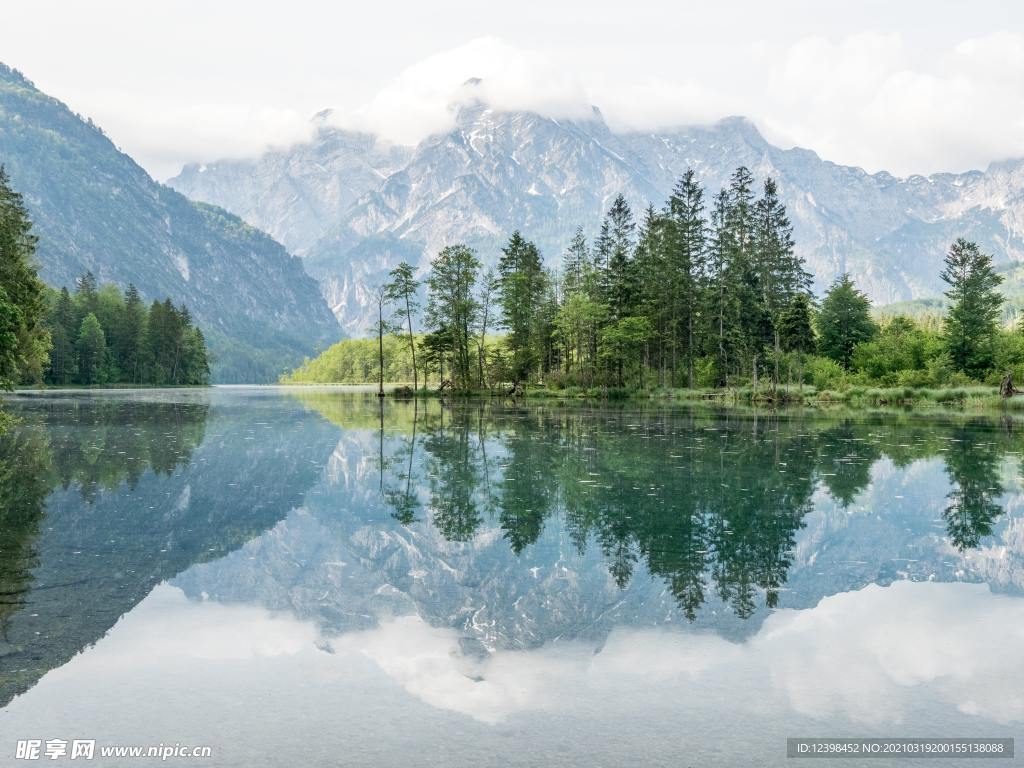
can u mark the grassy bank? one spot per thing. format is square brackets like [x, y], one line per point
[968, 397]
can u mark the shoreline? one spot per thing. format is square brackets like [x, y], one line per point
[967, 398]
[976, 398]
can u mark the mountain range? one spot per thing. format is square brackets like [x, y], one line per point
[353, 206]
[93, 208]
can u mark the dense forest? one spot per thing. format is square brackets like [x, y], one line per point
[100, 335]
[95, 336]
[698, 294]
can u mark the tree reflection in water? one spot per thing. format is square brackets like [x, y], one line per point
[703, 498]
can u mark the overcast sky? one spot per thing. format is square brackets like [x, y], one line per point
[913, 86]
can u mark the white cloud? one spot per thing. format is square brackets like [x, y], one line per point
[862, 100]
[167, 625]
[937, 655]
[878, 89]
[422, 99]
[167, 134]
[862, 656]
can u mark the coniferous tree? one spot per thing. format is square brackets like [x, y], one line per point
[24, 340]
[62, 357]
[579, 315]
[976, 304]
[158, 334]
[64, 312]
[617, 278]
[576, 264]
[132, 352]
[687, 244]
[779, 273]
[172, 351]
[87, 298]
[796, 326]
[617, 245]
[796, 331]
[92, 351]
[753, 329]
[723, 291]
[521, 285]
[544, 331]
[196, 361]
[654, 290]
[844, 321]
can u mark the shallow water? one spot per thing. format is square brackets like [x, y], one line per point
[304, 577]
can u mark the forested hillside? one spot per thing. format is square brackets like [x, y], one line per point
[95, 210]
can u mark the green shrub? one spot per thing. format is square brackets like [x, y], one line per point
[826, 374]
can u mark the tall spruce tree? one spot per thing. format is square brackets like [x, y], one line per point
[723, 291]
[686, 259]
[617, 245]
[779, 272]
[971, 324]
[521, 286]
[132, 352]
[24, 339]
[63, 332]
[754, 329]
[654, 289]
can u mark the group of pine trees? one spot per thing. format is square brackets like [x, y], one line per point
[695, 294]
[100, 335]
[678, 291]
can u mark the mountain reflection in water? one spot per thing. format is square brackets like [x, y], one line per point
[609, 572]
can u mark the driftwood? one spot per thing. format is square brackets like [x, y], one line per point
[1006, 388]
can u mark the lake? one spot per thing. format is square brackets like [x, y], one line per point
[308, 577]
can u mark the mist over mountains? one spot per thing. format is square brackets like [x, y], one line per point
[353, 207]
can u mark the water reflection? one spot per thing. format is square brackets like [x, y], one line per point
[502, 582]
[704, 499]
[921, 658]
[103, 497]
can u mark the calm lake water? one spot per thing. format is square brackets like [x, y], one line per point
[297, 577]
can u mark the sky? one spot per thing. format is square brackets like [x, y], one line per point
[908, 87]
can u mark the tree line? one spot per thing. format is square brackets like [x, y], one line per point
[101, 335]
[98, 335]
[696, 294]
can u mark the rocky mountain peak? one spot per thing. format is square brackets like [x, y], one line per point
[496, 171]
